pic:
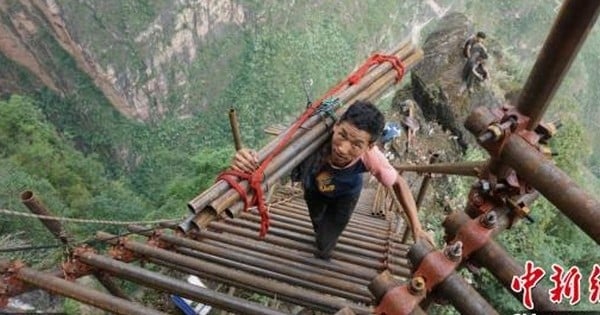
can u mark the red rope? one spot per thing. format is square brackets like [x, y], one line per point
[255, 179]
[375, 60]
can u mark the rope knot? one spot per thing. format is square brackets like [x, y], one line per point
[255, 182]
[377, 59]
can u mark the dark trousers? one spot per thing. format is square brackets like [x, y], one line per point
[329, 218]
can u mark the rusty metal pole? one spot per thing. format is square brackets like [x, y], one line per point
[300, 298]
[18, 290]
[425, 182]
[422, 192]
[462, 295]
[274, 267]
[541, 173]
[458, 168]
[109, 284]
[285, 242]
[350, 291]
[75, 291]
[384, 283]
[373, 236]
[284, 257]
[307, 231]
[377, 200]
[350, 269]
[168, 284]
[230, 201]
[235, 129]
[59, 232]
[495, 259]
[36, 207]
[577, 204]
[212, 270]
[307, 239]
[570, 29]
[342, 252]
[378, 88]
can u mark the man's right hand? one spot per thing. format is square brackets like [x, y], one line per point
[422, 234]
[245, 160]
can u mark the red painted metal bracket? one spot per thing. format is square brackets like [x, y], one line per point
[73, 268]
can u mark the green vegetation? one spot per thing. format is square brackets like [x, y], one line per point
[36, 157]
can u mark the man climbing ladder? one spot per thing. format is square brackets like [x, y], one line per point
[332, 177]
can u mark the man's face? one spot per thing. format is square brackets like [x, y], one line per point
[348, 143]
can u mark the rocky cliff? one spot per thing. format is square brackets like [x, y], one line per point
[436, 83]
[131, 55]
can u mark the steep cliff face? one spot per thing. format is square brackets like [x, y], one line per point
[130, 60]
[19, 28]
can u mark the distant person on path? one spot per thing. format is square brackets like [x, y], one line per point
[410, 123]
[474, 45]
[475, 72]
[332, 176]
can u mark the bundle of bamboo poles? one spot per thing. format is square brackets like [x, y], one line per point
[220, 198]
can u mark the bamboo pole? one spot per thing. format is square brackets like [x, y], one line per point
[235, 129]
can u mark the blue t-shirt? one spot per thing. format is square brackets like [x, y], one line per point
[337, 182]
[318, 176]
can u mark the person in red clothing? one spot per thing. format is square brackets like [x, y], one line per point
[332, 177]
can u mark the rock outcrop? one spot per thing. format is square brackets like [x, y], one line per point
[436, 83]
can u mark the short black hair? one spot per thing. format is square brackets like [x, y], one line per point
[365, 116]
[481, 35]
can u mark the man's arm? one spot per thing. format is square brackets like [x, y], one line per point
[475, 72]
[387, 175]
[467, 48]
[485, 74]
[405, 197]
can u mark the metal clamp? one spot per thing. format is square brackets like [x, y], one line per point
[120, 252]
[74, 268]
[475, 233]
[155, 240]
[519, 210]
[9, 282]
[435, 268]
[327, 109]
[399, 300]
